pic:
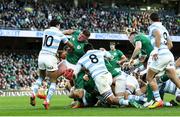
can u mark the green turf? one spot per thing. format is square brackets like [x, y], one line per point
[16, 106]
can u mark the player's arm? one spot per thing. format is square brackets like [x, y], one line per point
[157, 35]
[122, 59]
[108, 55]
[178, 62]
[138, 46]
[169, 43]
[68, 32]
[69, 44]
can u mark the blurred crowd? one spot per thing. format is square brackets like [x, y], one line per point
[18, 70]
[97, 19]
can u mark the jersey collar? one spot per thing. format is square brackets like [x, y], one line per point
[156, 23]
[54, 28]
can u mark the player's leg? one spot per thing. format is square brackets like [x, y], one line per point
[171, 73]
[120, 84]
[113, 100]
[53, 73]
[155, 67]
[103, 84]
[37, 84]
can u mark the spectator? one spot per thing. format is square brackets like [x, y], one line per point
[37, 16]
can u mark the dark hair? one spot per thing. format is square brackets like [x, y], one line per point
[154, 17]
[54, 22]
[86, 32]
[88, 47]
[133, 33]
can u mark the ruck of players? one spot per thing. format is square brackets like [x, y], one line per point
[107, 78]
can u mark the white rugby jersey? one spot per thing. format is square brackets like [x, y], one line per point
[51, 40]
[132, 84]
[163, 31]
[93, 61]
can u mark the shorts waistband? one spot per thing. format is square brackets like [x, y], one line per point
[47, 52]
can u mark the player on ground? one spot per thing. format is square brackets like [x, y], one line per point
[162, 58]
[47, 61]
[93, 61]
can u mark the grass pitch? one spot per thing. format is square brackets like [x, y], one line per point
[19, 106]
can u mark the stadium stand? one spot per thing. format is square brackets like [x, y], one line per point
[18, 69]
[97, 19]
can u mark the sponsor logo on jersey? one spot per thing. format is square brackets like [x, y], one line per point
[50, 67]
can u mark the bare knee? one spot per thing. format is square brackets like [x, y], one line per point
[112, 100]
[150, 75]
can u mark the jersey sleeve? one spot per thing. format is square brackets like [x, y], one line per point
[64, 38]
[120, 53]
[108, 55]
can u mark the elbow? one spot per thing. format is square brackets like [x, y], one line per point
[170, 45]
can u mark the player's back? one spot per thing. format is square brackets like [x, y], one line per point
[51, 39]
[163, 33]
[146, 43]
[93, 61]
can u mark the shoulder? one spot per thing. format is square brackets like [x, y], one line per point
[119, 51]
[76, 32]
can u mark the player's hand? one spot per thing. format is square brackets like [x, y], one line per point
[70, 50]
[154, 54]
[85, 77]
[128, 64]
[125, 65]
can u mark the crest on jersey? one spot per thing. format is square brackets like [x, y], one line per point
[78, 47]
[115, 54]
